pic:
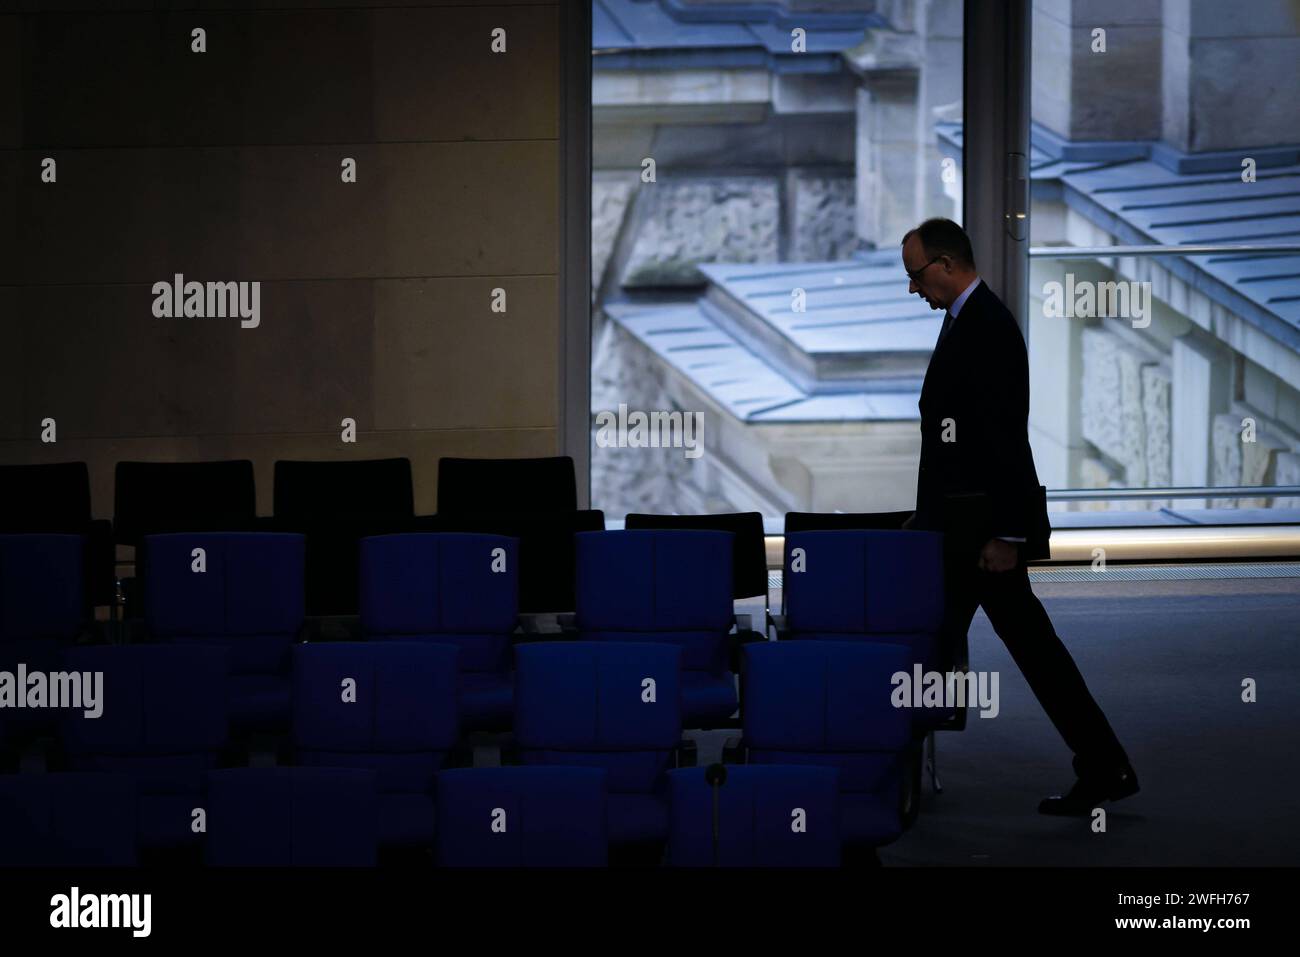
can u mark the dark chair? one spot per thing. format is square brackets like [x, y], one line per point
[767, 816]
[248, 601]
[42, 598]
[748, 566]
[335, 504]
[608, 705]
[534, 500]
[387, 706]
[748, 545]
[68, 820]
[357, 490]
[43, 612]
[449, 589]
[829, 703]
[547, 552]
[486, 486]
[868, 585]
[522, 817]
[55, 499]
[291, 817]
[904, 585]
[163, 722]
[956, 643]
[837, 521]
[672, 586]
[154, 498]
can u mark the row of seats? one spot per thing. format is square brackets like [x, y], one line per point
[245, 593]
[488, 817]
[337, 503]
[455, 582]
[154, 497]
[430, 593]
[389, 708]
[334, 503]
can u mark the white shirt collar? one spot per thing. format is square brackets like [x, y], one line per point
[961, 300]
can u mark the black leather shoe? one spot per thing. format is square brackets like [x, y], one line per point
[1088, 793]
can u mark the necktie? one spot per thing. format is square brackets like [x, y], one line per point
[947, 324]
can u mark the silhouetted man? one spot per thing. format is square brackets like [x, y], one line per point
[977, 484]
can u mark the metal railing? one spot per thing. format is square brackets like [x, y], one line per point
[1117, 494]
[1104, 252]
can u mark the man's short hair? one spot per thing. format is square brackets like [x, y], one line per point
[943, 237]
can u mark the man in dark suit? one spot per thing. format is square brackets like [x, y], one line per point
[978, 485]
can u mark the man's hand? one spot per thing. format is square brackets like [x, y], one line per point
[999, 556]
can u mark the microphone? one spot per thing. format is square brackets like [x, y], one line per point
[715, 775]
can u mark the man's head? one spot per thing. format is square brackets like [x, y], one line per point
[939, 261]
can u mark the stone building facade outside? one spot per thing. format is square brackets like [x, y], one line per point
[754, 165]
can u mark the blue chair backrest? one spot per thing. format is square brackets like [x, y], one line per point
[668, 585]
[827, 702]
[163, 718]
[68, 820]
[388, 706]
[522, 817]
[41, 587]
[863, 583]
[768, 816]
[163, 703]
[600, 704]
[248, 597]
[452, 588]
[291, 817]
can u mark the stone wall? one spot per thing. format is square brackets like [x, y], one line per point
[686, 222]
[1082, 92]
[820, 210]
[1229, 73]
[1125, 408]
[1157, 384]
[633, 479]
[610, 196]
[1226, 446]
[1249, 456]
[668, 228]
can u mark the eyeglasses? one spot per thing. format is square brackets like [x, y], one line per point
[916, 276]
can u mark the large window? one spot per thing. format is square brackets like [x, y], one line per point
[754, 344]
[1166, 125]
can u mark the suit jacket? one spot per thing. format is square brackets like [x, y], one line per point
[984, 479]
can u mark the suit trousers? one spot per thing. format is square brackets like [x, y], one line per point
[1022, 623]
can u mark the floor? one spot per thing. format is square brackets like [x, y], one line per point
[1166, 661]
